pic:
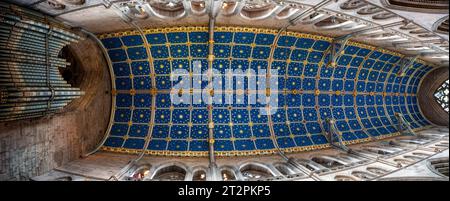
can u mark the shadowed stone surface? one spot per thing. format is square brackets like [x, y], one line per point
[33, 147]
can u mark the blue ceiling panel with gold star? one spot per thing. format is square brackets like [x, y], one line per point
[362, 92]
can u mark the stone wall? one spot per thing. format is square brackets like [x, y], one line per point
[33, 147]
[102, 165]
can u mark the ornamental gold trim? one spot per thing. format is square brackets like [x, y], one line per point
[260, 152]
[249, 30]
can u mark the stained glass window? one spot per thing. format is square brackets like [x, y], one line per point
[441, 95]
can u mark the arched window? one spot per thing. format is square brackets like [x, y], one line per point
[439, 166]
[254, 172]
[328, 163]
[379, 151]
[284, 169]
[435, 6]
[227, 175]
[415, 141]
[363, 175]
[441, 26]
[343, 178]
[307, 164]
[441, 95]
[199, 175]
[420, 154]
[414, 158]
[350, 159]
[401, 161]
[171, 173]
[442, 144]
[377, 170]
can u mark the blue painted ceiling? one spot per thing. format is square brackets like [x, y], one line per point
[362, 92]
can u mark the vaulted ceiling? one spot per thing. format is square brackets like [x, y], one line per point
[363, 92]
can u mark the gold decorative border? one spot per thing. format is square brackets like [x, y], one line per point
[251, 30]
[256, 152]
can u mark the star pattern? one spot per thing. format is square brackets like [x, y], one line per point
[363, 92]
